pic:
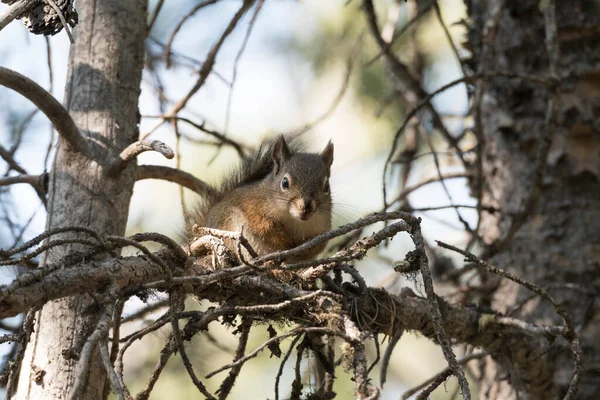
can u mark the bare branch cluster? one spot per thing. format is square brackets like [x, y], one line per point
[318, 305]
[346, 311]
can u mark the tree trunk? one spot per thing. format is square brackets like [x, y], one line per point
[102, 96]
[557, 246]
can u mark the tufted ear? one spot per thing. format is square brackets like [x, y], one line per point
[327, 154]
[280, 154]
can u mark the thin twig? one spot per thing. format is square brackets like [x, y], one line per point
[165, 354]
[438, 13]
[436, 314]
[286, 356]
[410, 87]
[110, 371]
[238, 57]
[228, 382]
[154, 15]
[15, 366]
[123, 242]
[199, 6]
[272, 340]
[399, 34]
[143, 312]
[63, 20]
[239, 148]
[206, 66]
[177, 305]
[442, 376]
[387, 355]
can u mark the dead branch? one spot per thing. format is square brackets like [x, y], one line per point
[436, 314]
[137, 148]
[14, 11]
[355, 337]
[165, 354]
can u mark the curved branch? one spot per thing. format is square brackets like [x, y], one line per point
[56, 113]
[137, 148]
[239, 148]
[174, 175]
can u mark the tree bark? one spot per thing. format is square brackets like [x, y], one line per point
[555, 242]
[102, 96]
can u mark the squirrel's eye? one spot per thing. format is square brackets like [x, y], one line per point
[285, 183]
[326, 186]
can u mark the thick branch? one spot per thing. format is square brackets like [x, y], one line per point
[33, 180]
[56, 113]
[37, 288]
[462, 324]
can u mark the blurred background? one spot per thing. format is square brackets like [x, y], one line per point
[305, 63]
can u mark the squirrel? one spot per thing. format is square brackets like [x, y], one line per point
[279, 197]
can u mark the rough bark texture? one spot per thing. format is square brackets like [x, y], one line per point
[102, 95]
[558, 246]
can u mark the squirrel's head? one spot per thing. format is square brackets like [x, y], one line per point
[301, 181]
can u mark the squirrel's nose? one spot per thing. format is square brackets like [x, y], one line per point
[307, 205]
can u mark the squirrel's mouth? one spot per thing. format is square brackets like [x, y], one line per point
[300, 214]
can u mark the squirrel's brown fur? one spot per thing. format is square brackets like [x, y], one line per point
[279, 197]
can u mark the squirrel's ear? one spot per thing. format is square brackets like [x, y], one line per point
[280, 154]
[327, 154]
